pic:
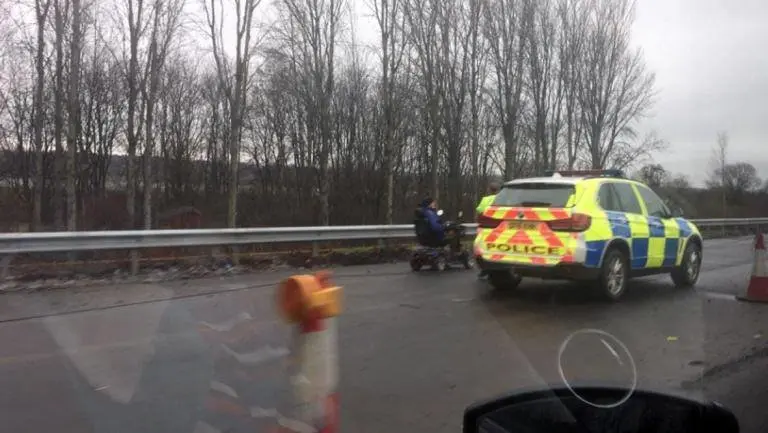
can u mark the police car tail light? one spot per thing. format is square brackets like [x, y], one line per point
[485, 222]
[578, 222]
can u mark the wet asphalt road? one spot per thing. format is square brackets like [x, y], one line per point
[415, 349]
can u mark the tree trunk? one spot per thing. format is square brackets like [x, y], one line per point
[59, 175]
[134, 24]
[148, 152]
[41, 12]
[73, 130]
[234, 162]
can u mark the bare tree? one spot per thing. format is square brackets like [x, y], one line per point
[73, 113]
[572, 25]
[234, 84]
[654, 175]
[679, 182]
[41, 15]
[60, 14]
[543, 84]
[741, 178]
[137, 24]
[718, 172]
[184, 123]
[165, 23]
[18, 155]
[455, 31]
[422, 20]
[632, 150]
[316, 25]
[478, 59]
[462, 91]
[390, 19]
[618, 89]
[506, 30]
[102, 120]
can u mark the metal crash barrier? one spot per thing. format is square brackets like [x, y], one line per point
[56, 242]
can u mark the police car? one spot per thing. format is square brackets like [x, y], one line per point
[591, 225]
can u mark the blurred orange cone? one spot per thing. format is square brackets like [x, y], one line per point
[312, 303]
[757, 291]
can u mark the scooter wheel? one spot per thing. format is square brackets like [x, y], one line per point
[415, 265]
[439, 264]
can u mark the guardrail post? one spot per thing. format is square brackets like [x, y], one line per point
[235, 255]
[315, 248]
[5, 263]
[134, 262]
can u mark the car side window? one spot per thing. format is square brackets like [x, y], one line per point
[653, 203]
[627, 198]
[606, 198]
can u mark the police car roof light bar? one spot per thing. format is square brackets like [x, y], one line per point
[596, 173]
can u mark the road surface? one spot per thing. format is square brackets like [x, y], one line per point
[415, 348]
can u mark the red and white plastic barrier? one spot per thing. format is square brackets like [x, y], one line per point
[311, 303]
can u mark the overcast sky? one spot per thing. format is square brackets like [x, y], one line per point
[711, 66]
[712, 74]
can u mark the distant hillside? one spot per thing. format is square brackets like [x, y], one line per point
[15, 165]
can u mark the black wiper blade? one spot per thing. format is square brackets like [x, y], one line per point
[535, 204]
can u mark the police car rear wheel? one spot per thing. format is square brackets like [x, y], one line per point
[613, 278]
[687, 274]
[504, 280]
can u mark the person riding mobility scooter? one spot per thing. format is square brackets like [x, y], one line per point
[439, 242]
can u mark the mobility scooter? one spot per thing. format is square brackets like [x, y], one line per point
[440, 255]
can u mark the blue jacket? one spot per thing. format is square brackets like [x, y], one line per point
[434, 222]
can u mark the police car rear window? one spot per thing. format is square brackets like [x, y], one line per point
[535, 195]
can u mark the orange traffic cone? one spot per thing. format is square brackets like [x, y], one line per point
[757, 291]
[312, 303]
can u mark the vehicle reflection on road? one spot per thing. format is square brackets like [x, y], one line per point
[168, 366]
[249, 386]
[154, 382]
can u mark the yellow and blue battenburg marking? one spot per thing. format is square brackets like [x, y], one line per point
[653, 242]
